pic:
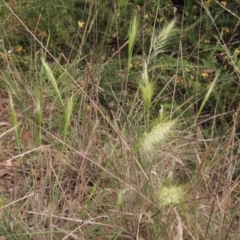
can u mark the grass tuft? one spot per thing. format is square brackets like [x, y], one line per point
[68, 114]
[14, 119]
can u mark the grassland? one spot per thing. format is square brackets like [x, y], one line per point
[119, 120]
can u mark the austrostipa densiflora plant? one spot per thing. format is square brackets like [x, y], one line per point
[158, 133]
[163, 128]
[160, 40]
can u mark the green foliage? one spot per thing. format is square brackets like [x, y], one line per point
[52, 79]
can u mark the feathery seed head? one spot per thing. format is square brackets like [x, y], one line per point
[158, 134]
[146, 88]
[171, 195]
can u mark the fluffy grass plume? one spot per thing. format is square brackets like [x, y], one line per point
[160, 39]
[132, 33]
[158, 134]
[146, 88]
[169, 195]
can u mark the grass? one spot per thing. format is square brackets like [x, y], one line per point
[130, 140]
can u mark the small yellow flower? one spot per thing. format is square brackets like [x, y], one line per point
[18, 48]
[195, 7]
[236, 52]
[81, 24]
[42, 34]
[223, 3]
[88, 108]
[146, 15]
[226, 30]
[180, 81]
[205, 75]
